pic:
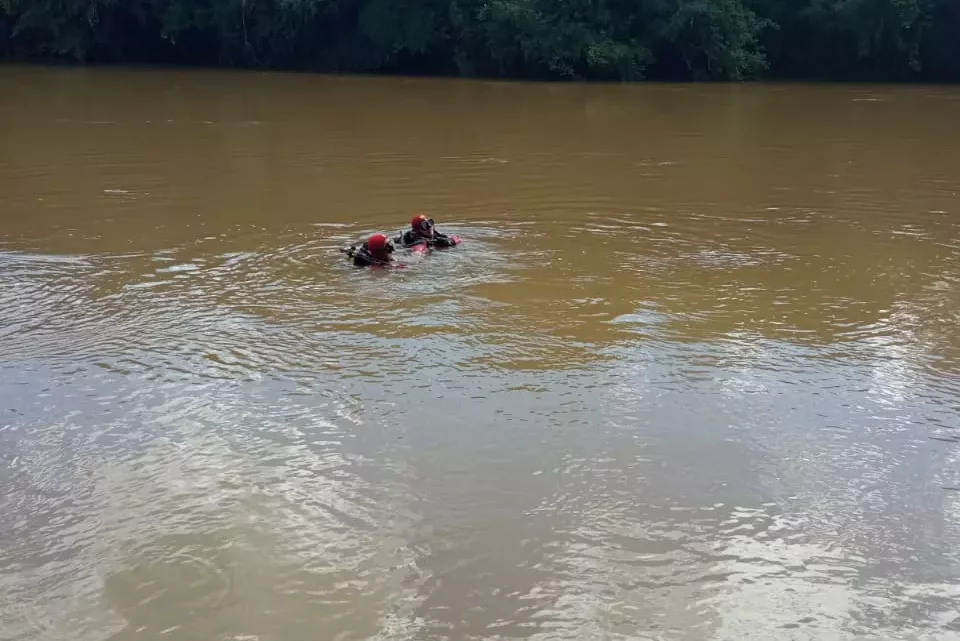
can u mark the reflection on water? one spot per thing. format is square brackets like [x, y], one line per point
[694, 374]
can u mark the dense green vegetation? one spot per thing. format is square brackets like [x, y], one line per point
[603, 39]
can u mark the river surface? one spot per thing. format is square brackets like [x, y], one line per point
[693, 374]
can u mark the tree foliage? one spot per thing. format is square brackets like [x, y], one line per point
[571, 39]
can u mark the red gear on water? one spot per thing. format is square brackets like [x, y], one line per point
[378, 245]
[422, 225]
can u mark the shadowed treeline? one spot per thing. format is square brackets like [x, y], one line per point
[576, 39]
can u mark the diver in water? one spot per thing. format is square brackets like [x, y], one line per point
[377, 250]
[423, 231]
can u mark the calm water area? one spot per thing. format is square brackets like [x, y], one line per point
[694, 373]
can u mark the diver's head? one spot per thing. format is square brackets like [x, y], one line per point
[380, 246]
[422, 226]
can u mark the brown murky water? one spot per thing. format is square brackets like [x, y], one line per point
[694, 374]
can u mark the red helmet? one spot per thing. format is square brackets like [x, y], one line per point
[379, 245]
[422, 225]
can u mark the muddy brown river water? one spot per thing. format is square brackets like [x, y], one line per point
[693, 374]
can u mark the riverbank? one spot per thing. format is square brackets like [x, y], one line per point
[912, 40]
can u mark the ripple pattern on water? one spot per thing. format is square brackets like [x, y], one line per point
[693, 374]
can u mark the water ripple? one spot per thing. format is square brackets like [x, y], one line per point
[691, 375]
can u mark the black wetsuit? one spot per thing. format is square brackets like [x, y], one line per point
[410, 238]
[363, 258]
